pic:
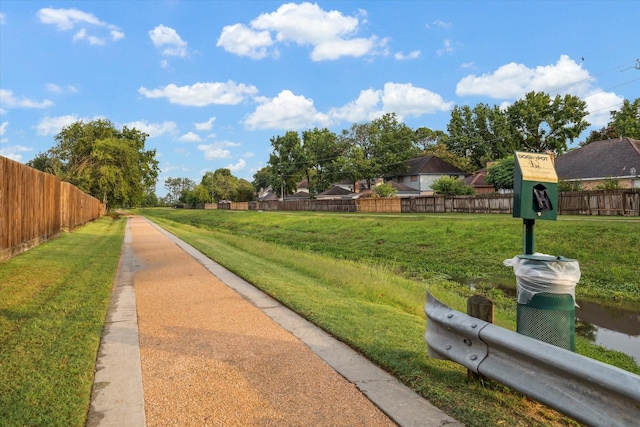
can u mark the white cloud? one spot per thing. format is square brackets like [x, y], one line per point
[168, 41]
[68, 19]
[53, 125]
[512, 81]
[93, 40]
[330, 33]
[334, 49]
[190, 137]
[3, 128]
[408, 100]
[12, 152]
[229, 144]
[202, 94]
[9, 100]
[238, 166]
[412, 55]
[244, 41]
[213, 152]
[205, 125]
[404, 99]
[286, 111]
[442, 24]
[52, 87]
[116, 35]
[365, 107]
[447, 47]
[600, 105]
[153, 129]
[467, 65]
[2, 18]
[248, 154]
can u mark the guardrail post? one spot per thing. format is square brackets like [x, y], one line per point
[481, 308]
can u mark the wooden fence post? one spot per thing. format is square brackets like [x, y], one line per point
[482, 308]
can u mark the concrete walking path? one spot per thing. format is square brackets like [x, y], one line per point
[189, 343]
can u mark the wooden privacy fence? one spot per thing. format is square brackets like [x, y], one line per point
[601, 202]
[35, 206]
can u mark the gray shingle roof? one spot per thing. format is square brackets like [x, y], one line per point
[403, 188]
[335, 191]
[601, 159]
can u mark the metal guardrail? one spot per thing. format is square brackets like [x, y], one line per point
[584, 389]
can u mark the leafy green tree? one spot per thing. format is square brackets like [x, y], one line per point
[626, 121]
[481, 134]
[544, 124]
[392, 144]
[623, 123]
[198, 194]
[375, 149]
[602, 134]
[287, 162]
[320, 148]
[442, 152]
[500, 174]
[220, 184]
[451, 186]
[45, 163]
[426, 139]
[110, 164]
[244, 191]
[150, 200]
[261, 178]
[176, 187]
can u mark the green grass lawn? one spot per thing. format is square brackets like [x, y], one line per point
[460, 246]
[353, 279]
[53, 303]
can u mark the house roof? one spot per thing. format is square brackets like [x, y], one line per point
[430, 165]
[298, 195]
[335, 191]
[477, 179]
[403, 188]
[270, 196]
[601, 159]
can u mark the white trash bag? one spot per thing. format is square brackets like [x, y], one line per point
[544, 273]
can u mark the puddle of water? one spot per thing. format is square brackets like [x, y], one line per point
[607, 326]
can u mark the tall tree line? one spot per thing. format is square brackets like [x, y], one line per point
[475, 135]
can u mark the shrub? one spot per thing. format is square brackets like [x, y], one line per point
[385, 190]
[452, 187]
[609, 184]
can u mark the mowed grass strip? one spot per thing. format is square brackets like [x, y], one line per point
[423, 246]
[376, 312]
[53, 304]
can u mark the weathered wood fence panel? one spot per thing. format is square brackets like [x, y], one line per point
[601, 202]
[375, 204]
[35, 206]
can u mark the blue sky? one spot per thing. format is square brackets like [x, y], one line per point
[212, 81]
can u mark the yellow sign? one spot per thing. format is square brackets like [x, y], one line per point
[536, 167]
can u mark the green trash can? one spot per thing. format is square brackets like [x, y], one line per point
[546, 297]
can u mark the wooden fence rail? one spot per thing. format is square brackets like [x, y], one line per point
[600, 202]
[35, 206]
